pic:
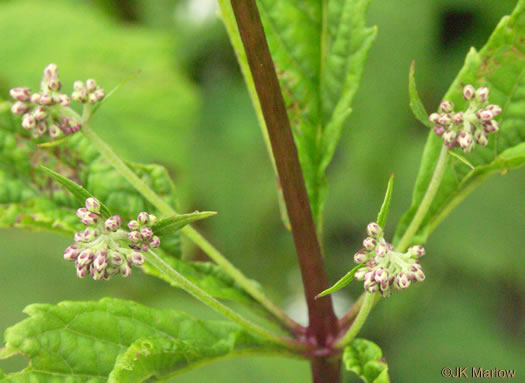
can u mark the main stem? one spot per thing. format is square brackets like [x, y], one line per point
[188, 231]
[323, 325]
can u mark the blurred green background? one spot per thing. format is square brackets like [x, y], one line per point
[189, 110]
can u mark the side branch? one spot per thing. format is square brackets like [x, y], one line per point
[323, 323]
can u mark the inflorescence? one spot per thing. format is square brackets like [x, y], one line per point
[385, 267]
[473, 125]
[48, 111]
[99, 250]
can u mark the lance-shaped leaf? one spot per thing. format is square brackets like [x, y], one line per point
[349, 277]
[499, 65]
[365, 359]
[416, 105]
[172, 224]
[319, 49]
[118, 340]
[385, 207]
[78, 191]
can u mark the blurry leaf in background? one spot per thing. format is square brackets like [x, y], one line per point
[499, 66]
[149, 118]
[365, 359]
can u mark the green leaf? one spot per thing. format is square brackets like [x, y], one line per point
[78, 191]
[119, 341]
[349, 277]
[416, 105]
[319, 50]
[365, 359]
[385, 207]
[177, 222]
[499, 65]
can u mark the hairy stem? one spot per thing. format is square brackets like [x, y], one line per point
[322, 326]
[368, 303]
[222, 309]
[188, 231]
[426, 202]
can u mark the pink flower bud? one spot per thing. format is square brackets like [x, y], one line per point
[82, 271]
[113, 223]
[28, 121]
[360, 274]
[381, 249]
[416, 250]
[481, 137]
[133, 225]
[374, 230]
[381, 275]
[99, 94]
[47, 100]
[495, 109]
[134, 236]
[458, 118]
[40, 113]
[91, 85]
[137, 259]
[482, 94]
[360, 257]
[143, 218]
[146, 233]
[485, 115]
[71, 253]
[369, 243]
[92, 205]
[20, 93]
[491, 126]
[434, 118]
[444, 119]
[79, 86]
[125, 269]
[19, 107]
[154, 242]
[50, 71]
[446, 107]
[439, 130]
[469, 92]
[55, 131]
[63, 100]
[449, 137]
[35, 98]
[53, 83]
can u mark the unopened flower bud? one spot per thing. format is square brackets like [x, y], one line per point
[402, 281]
[434, 118]
[46, 100]
[143, 218]
[50, 71]
[101, 261]
[481, 137]
[482, 94]
[137, 259]
[154, 242]
[55, 131]
[99, 94]
[19, 107]
[28, 121]
[446, 107]
[495, 109]
[71, 253]
[360, 274]
[439, 129]
[146, 233]
[444, 119]
[92, 99]
[133, 225]
[491, 126]
[79, 86]
[485, 115]
[85, 257]
[458, 118]
[134, 236]
[469, 92]
[89, 219]
[82, 271]
[416, 250]
[360, 257]
[93, 205]
[369, 243]
[125, 269]
[465, 141]
[63, 100]
[35, 98]
[40, 113]
[113, 223]
[20, 94]
[371, 286]
[91, 85]
[374, 230]
[381, 275]
[381, 249]
[153, 219]
[53, 83]
[449, 137]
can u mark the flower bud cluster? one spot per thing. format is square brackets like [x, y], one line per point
[141, 235]
[385, 267]
[463, 129]
[46, 111]
[87, 91]
[98, 250]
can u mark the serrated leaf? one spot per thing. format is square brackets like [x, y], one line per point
[78, 191]
[499, 65]
[385, 207]
[349, 277]
[416, 105]
[365, 359]
[319, 50]
[172, 224]
[116, 339]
